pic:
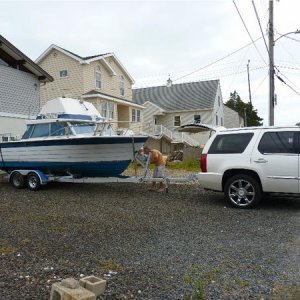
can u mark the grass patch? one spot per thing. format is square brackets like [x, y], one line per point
[6, 248]
[187, 165]
[192, 165]
[288, 292]
[110, 265]
[197, 280]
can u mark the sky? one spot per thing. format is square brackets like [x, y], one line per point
[186, 40]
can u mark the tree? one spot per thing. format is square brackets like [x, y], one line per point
[235, 102]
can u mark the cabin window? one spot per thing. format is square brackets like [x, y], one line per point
[98, 77]
[63, 73]
[82, 128]
[177, 121]
[136, 115]
[28, 132]
[107, 110]
[40, 130]
[217, 120]
[197, 119]
[122, 85]
[58, 129]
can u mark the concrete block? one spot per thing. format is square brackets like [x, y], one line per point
[60, 292]
[93, 284]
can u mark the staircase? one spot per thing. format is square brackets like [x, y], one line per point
[159, 131]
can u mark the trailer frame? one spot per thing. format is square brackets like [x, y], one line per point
[35, 179]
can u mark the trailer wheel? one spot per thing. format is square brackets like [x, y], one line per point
[33, 181]
[17, 180]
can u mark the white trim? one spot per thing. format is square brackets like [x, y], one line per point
[17, 116]
[108, 66]
[47, 51]
[113, 99]
[188, 110]
[101, 57]
[117, 60]
[156, 106]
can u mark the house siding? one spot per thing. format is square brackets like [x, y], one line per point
[71, 86]
[12, 126]
[149, 112]
[19, 92]
[232, 118]
[167, 120]
[114, 88]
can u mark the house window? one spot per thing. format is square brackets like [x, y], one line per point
[136, 115]
[177, 121]
[219, 102]
[98, 77]
[122, 86]
[222, 122]
[107, 110]
[63, 73]
[197, 119]
[217, 120]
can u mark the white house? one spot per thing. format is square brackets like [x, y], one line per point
[174, 105]
[20, 81]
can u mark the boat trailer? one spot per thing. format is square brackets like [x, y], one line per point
[35, 179]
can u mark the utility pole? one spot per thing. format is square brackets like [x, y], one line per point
[271, 65]
[245, 117]
[249, 81]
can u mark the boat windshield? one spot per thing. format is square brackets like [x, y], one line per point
[83, 128]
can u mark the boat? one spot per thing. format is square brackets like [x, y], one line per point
[70, 137]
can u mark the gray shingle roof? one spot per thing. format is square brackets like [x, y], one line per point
[86, 57]
[183, 96]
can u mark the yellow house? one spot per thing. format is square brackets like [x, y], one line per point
[100, 79]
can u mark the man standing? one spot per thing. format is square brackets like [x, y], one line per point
[159, 171]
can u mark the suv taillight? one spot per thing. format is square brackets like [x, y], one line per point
[203, 164]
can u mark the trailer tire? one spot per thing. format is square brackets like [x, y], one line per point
[33, 181]
[17, 180]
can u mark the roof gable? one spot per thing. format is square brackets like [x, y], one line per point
[86, 59]
[183, 96]
[17, 59]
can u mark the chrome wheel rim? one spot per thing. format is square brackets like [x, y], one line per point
[241, 192]
[32, 182]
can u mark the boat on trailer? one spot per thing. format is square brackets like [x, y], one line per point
[70, 137]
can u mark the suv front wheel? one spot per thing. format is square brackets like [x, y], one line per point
[243, 191]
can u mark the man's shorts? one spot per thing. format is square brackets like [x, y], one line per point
[159, 172]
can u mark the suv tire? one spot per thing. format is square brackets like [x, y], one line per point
[243, 191]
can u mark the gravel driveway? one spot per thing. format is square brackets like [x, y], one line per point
[147, 245]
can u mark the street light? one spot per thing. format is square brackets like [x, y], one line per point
[282, 35]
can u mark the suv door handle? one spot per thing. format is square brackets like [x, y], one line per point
[260, 161]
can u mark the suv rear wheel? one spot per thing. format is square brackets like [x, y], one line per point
[243, 191]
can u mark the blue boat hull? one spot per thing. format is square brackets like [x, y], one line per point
[82, 157]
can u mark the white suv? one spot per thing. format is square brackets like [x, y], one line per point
[244, 163]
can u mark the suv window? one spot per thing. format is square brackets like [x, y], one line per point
[279, 142]
[230, 143]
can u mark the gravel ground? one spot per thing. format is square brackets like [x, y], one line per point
[147, 245]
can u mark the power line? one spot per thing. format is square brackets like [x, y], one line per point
[258, 20]
[212, 63]
[280, 79]
[253, 42]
